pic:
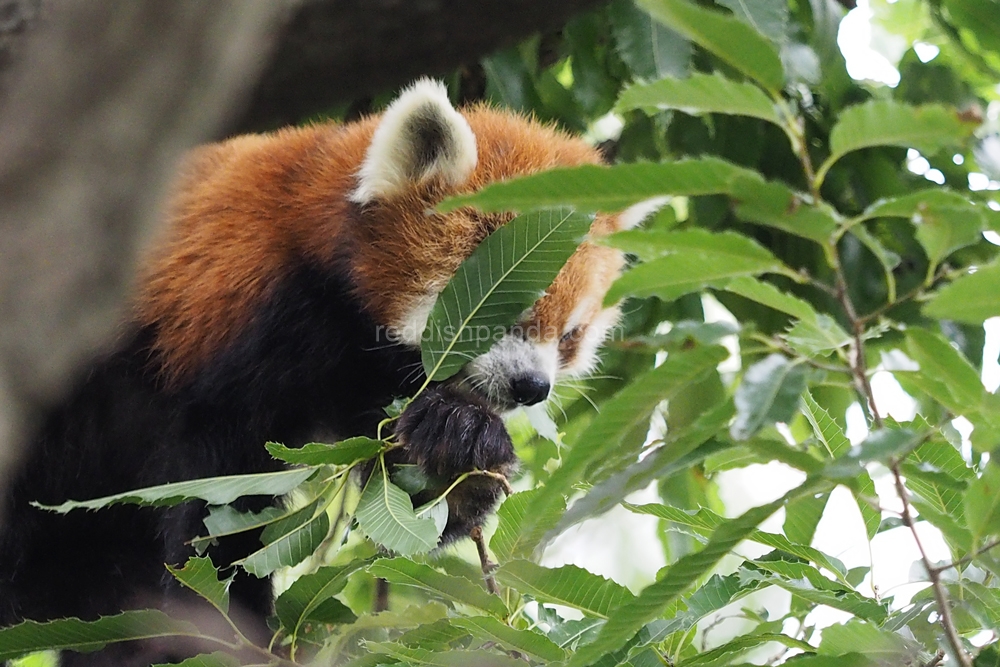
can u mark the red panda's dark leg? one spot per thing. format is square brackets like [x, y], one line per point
[448, 432]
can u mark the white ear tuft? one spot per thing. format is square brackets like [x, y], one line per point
[420, 136]
[636, 213]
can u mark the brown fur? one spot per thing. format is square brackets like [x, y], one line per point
[246, 209]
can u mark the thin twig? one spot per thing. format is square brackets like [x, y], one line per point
[936, 660]
[944, 611]
[965, 559]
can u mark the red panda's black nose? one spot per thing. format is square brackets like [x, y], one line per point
[529, 389]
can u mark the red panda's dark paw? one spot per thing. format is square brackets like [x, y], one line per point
[447, 432]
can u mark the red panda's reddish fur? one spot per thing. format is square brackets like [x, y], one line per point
[241, 214]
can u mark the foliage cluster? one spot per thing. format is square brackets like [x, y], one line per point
[791, 204]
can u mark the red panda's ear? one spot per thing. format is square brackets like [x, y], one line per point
[420, 136]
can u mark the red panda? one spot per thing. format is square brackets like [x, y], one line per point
[261, 315]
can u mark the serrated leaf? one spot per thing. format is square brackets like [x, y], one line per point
[827, 431]
[227, 520]
[681, 448]
[504, 276]
[819, 336]
[296, 605]
[700, 94]
[767, 294]
[598, 188]
[886, 258]
[804, 581]
[631, 616]
[944, 373]
[727, 651]
[982, 504]
[567, 585]
[704, 521]
[74, 634]
[884, 445]
[216, 659]
[691, 261]
[970, 298]
[626, 410]
[884, 647]
[450, 658]
[456, 589]
[726, 37]
[650, 49]
[509, 541]
[200, 575]
[936, 472]
[769, 393]
[344, 453]
[802, 516]
[887, 123]
[768, 17]
[524, 641]
[213, 490]
[289, 541]
[385, 514]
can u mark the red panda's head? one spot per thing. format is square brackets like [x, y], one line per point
[423, 150]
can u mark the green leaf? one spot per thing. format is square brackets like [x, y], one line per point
[704, 521]
[970, 298]
[450, 658]
[886, 258]
[936, 472]
[628, 618]
[886, 123]
[691, 260]
[200, 575]
[598, 188]
[827, 431]
[385, 514]
[524, 641]
[944, 373]
[832, 437]
[296, 605]
[74, 634]
[216, 659]
[619, 415]
[509, 540]
[885, 647]
[456, 589]
[649, 49]
[802, 516]
[567, 585]
[769, 393]
[815, 337]
[226, 520]
[289, 541]
[680, 449]
[700, 94]
[505, 275]
[982, 504]
[768, 17]
[767, 294]
[344, 453]
[724, 653]
[726, 37]
[804, 581]
[213, 490]
[884, 445]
